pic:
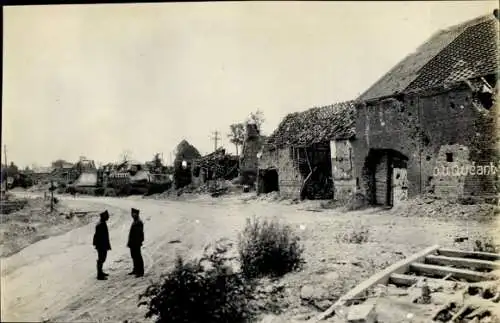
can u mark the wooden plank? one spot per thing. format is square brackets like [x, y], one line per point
[462, 262]
[408, 281]
[442, 271]
[469, 254]
[381, 277]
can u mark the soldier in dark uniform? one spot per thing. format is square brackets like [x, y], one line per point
[102, 244]
[135, 240]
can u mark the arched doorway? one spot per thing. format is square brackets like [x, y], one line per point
[386, 177]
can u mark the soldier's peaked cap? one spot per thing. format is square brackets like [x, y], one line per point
[135, 211]
[105, 213]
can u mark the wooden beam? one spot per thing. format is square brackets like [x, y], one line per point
[459, 314]
[408, 281]
[469, 254]
[381, 277]
[462, 262]
[442, 271]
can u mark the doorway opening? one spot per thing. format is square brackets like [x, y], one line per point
[385, 173]
[268, 181]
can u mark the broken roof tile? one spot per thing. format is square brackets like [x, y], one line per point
[436, 62]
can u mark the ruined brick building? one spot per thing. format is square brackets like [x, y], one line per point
[297, 159]
[434, 113]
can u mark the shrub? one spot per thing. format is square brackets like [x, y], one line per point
[191, 292]
[269, 248]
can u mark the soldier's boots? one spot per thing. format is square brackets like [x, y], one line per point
[101, 275]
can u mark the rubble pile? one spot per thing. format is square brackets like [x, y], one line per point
[427, 206]
[36, 221]
[9, 204]
[216, 165]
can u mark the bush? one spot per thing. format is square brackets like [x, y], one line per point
[269, 248]
[194, 293]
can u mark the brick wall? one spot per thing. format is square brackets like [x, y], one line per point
[290, 180]
[446, 179]
[344, 183]
[424, 128]
[251, 147]
[388, 124]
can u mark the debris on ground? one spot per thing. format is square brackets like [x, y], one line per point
[9, 203]
[214, 188]
[36, 221]
[427, 206]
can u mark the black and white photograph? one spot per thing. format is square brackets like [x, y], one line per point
[250, 162]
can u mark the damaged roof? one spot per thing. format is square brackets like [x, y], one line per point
[315, 125]
[464, 51]
[214, 157]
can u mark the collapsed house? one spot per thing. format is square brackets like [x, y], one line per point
[65, 174]
[41, 175]
[132, 177]
[88, 179]
[216, 165]
[430, 125]
[186, 154]
[307, 152]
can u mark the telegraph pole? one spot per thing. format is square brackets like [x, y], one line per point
[216, 138]
[6, 168]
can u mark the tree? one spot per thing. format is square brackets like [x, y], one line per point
[10, 171]
[237, 135]
[157, 160]
[258, 118]
[125, 156]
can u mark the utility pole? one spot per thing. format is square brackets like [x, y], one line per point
[6, 168]
[216, 138]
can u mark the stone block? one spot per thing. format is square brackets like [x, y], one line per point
[362, 313]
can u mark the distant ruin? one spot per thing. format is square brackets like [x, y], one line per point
[249, 162]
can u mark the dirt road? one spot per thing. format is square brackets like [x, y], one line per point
[55, 278]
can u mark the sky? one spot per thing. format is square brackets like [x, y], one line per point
[99, 80]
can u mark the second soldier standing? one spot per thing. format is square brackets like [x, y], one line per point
[135, 240]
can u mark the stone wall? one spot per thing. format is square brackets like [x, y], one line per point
[425, 128]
